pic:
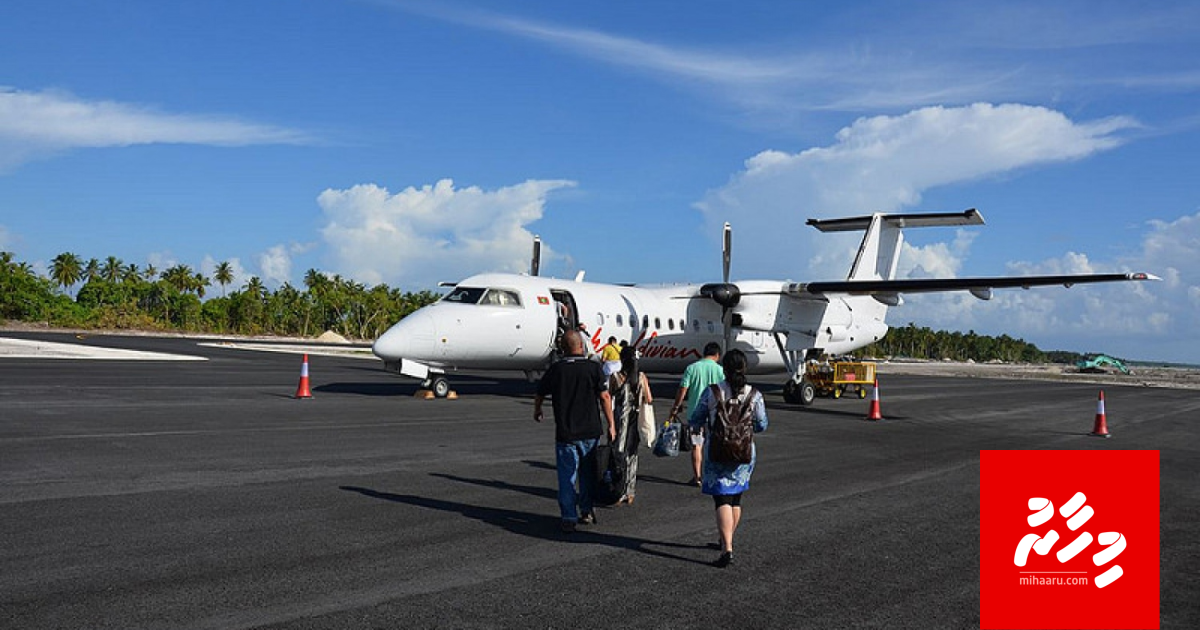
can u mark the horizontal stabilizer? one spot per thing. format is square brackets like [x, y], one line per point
[931, 285]
[929, 219]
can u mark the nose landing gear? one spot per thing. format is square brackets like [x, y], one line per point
[438, 385]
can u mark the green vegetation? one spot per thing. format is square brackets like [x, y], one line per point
[115, 295]
[923, 343]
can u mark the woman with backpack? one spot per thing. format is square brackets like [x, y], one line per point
[630, 392]
[730, 412]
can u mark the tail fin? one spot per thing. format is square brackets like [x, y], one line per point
[880, 247]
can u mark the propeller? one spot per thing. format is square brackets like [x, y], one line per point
[535, 265]
[724, 293]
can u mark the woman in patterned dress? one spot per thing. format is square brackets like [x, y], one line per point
[630, 391]
[726, 482]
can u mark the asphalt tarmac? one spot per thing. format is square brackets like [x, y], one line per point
[139, 494]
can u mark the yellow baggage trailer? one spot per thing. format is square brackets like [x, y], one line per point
[832, 379]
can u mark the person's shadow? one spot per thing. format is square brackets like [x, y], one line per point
[543, 526]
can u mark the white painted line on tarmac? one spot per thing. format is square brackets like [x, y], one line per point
[361, 352]
[33, 349]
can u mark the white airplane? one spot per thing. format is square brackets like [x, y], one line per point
[512, 321]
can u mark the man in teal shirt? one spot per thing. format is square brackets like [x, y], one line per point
[696, 378]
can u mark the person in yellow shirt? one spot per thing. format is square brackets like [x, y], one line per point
[610, 354]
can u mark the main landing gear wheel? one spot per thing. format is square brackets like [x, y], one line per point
[802, 393]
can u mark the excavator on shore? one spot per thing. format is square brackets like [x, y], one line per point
[1099, 364]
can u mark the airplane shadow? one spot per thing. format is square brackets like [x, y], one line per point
[462, 385]
[366, 389]
[541, 526]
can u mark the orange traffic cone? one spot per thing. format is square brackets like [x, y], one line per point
[1101, 427]
[303, 391]
[873, 410]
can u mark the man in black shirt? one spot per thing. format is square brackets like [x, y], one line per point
[575, 385]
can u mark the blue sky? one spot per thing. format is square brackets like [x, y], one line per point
[413, 142]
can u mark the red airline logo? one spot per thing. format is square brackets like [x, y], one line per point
[1069, 539]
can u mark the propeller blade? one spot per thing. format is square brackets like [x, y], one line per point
[536, 264]
[726, 311]
[726, 252]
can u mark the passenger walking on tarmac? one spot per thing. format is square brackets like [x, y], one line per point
[578, 392]
[726, 482]
[610, 354]
[696, 378]
[630, 390]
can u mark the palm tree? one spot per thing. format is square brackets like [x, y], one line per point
[180, 277]
[223, 275]
[66, 269]
[150, 272]
[199, 282]
[91, 270]
[254, 286]
[111, 269]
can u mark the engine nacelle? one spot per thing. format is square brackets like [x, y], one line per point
[724, 293]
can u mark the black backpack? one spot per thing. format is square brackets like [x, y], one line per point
[731, 434]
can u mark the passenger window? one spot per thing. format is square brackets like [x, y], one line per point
[600, 319]
[671, 324]
[695, 325]
[645, 321]
[711, 328]
[619, 324]
[657, 323]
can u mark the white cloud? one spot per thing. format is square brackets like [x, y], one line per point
[276, 265]
[1143, 320]
[981, 53]
[936, 260]
[884, 164]
[162, 260]
[5, 238]
[36, 124]
[417, 237]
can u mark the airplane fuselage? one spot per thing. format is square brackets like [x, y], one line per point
[511, 322]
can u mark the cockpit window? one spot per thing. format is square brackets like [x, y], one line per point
[501, 297]
[465, 295]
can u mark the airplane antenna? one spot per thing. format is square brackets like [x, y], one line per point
[535, 265]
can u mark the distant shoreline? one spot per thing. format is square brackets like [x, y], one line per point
[1142, 376]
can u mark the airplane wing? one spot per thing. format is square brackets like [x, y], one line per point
[980, 287]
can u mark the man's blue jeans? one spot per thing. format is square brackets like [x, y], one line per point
[576, 463]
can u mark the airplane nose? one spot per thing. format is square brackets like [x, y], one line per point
[411, 338]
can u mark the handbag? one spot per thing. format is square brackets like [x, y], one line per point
[667, 444]
[647, 425]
